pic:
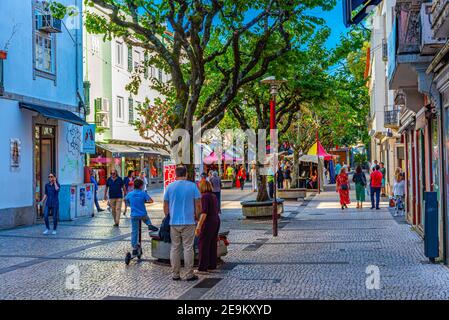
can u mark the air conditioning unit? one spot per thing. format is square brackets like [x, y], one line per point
[48, 23]
[429, 44]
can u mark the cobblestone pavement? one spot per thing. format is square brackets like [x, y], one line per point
[321, 252]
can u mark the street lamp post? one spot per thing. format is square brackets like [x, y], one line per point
[274, 88]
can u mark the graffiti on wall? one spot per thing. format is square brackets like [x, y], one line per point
[72, 158]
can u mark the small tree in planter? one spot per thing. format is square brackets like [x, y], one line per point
[4, 51]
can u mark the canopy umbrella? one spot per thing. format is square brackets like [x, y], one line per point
[318, 150]
[213, 158]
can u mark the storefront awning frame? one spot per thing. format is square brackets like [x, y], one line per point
[53, 113]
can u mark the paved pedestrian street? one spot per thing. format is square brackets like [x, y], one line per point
[321, 252]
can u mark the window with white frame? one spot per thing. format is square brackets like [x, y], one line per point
[95, 45]
[137, 59]
[120, 109]
[160, 75]
[44, 46]
[119, 53]
[45, 57]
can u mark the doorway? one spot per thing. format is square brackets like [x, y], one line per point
[44, 158]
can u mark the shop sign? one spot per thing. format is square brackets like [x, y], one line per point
[89, 139]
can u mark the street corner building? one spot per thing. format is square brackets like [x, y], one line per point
[408, 78]
[41, 109]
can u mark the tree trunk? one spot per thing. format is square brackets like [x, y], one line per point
[262, 193]
[295, 172]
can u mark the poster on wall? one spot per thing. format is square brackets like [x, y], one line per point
[169, 174]
[89, 139]
[15, 154]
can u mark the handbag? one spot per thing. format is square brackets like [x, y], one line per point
[344, 187]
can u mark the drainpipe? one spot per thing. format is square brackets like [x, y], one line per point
[443, 187]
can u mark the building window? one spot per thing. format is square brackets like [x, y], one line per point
[153, 72]
[137, 60]
[95, 45]
[130, 59]
[86, 86]
[45, 57]
[145, 60]
[160, 75]
[120, 108]
[131, 110]
[119, 52]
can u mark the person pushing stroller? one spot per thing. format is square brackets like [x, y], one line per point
[136, 200]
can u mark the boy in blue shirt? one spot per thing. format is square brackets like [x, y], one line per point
[137, 199]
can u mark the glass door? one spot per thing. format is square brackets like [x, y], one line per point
[44, 158]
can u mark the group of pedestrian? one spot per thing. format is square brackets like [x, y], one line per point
[117, 189]
[284, 175]
[376, 185]
[185, 203]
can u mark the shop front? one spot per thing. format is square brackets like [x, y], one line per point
[125, 158]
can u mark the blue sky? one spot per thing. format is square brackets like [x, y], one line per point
[334, 20]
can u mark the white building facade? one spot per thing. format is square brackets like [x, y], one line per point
[386, 144]
[41, 89]
[108, 68]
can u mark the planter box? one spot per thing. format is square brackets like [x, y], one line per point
[227, 184]
[161, 250]
[296, 193]
[254, 209]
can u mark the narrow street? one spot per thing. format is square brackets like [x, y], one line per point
[321, 252]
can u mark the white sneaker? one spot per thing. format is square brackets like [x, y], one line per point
[46, 232]
[53, 232]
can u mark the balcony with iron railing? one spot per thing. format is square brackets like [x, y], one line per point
[391, 117]
[440, 18]
[410, 43]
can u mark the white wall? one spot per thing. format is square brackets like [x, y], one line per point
[18, 72]
[69, 158]
[18, 184]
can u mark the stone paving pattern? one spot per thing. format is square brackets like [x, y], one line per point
[321, 252]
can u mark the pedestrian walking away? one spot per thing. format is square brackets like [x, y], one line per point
[137, 199]
[207, 229]
[129, 186]
[343, 188]
[51, 199]
[95, 183]
[359, 179]
[216, 187]
[376, 186]
[115, 189]
[182, 201]
[337, 170]
[280, 177]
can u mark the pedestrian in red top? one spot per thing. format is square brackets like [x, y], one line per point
[376, 186]
[343, 188]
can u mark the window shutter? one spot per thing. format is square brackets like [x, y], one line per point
[131, 110]
[146, 65]
[130, 58]
[87, 96]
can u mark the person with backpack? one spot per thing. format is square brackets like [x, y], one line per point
[359, 179]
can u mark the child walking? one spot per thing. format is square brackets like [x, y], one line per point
[137, 199]
[399, 192]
